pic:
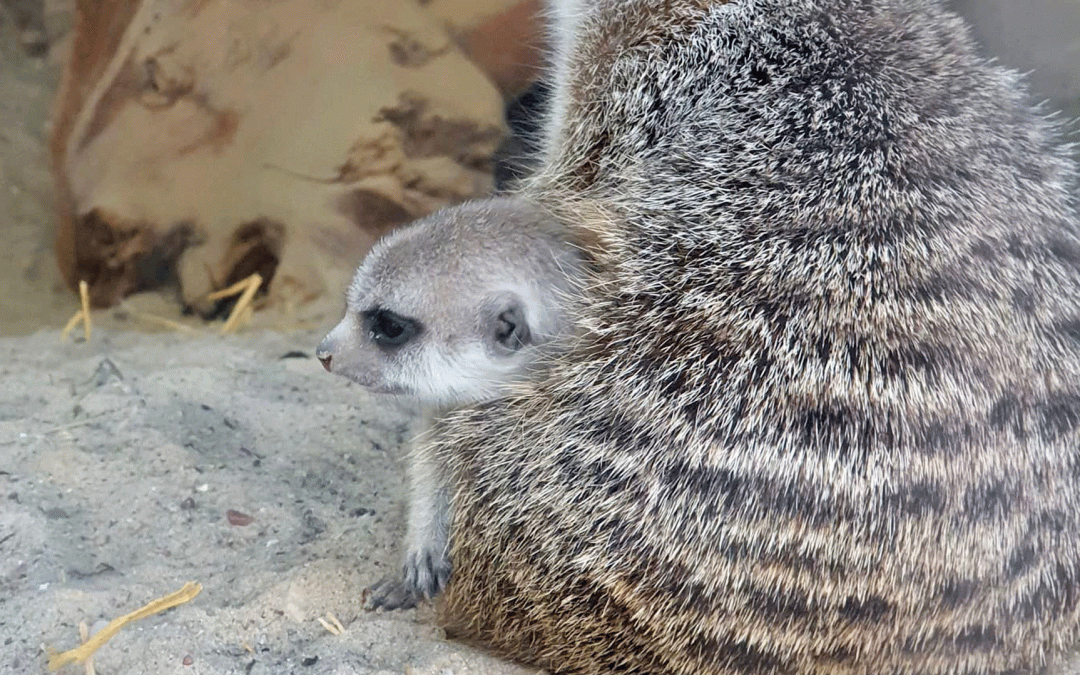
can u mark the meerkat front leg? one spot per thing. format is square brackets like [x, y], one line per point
[427, 558]
[426, 567]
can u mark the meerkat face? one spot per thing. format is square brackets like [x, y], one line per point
[425, 351]
[437, 314]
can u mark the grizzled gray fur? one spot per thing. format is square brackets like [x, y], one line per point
[823, 411]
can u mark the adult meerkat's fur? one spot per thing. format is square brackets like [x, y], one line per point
[822, 416]
[519, 153]
[455, 309]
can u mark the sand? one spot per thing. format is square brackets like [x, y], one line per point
[121, 459]
[120, 462]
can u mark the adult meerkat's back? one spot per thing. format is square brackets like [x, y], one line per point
[824, 414]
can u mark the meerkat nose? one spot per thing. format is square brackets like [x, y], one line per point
[325, 352]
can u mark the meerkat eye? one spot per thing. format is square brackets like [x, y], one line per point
[388, 329]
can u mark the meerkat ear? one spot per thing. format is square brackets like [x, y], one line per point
[504, 324]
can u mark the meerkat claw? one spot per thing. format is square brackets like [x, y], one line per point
[424, 576]
[390, 593]
[426, 573]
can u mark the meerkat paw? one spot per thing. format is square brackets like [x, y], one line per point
[427, 571]
[425, 574]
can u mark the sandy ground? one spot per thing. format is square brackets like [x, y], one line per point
[120, 460]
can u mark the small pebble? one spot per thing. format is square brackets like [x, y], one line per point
[239, 519]
[188, 660]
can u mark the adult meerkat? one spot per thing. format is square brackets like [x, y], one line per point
[822, 415]
[458, 308]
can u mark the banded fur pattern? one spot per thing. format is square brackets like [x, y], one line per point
[823, 413]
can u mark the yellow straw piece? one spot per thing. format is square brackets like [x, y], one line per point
[82, 315]
[335, 622]
[87, 649]
[333, 625]
[84, 635]
[247, 288]
[70, 325]
[168, 323]
[84, 299]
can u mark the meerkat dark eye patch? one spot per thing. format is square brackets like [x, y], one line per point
[388, 329]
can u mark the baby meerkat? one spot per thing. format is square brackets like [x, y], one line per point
[455, 309]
